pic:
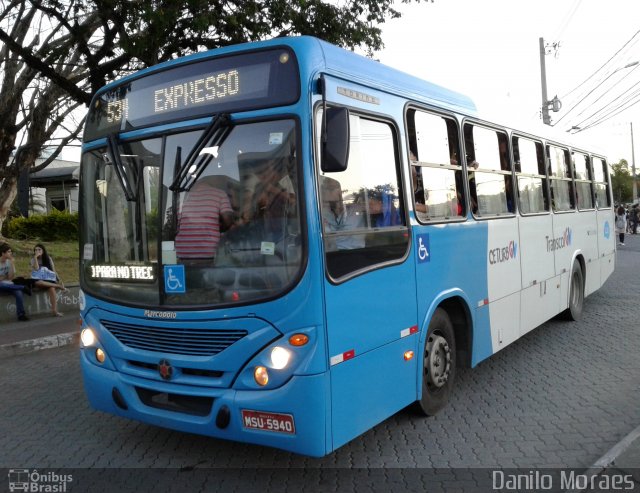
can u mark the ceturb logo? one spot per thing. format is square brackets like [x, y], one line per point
[504, 254]
[563, 241]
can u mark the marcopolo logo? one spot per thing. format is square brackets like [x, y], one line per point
[563, 241]
[504, 254]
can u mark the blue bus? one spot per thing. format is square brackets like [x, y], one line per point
[284, 243]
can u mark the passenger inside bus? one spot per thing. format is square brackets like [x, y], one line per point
[205, 214]
[336, 218]
[272, 199]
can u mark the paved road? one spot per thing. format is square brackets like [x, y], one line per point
[560, 397]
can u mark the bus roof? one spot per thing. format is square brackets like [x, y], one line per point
[316, 56]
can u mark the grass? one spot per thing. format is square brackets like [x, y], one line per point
[64, 253]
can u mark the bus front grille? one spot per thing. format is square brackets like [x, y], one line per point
[177, 340]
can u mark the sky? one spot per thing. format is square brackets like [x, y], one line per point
[489, 50]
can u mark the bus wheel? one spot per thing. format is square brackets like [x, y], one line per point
[439, 363]
[576, 294]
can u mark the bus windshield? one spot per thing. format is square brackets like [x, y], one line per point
[204, 217]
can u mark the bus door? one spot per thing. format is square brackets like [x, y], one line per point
[586, 234]
[606, 223]
[539, 300]
[369, 282]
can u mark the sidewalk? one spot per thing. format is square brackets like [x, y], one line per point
[40, 332]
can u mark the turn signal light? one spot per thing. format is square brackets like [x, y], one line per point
[408, 355]
[261, 375]
[100, 356]
[298, 340]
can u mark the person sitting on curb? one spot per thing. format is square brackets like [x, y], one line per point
[7, 273]
[44, 273]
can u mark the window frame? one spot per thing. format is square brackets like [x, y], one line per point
[403, 206]
[606, 183]
[506, 134]
[423, 164]
[545, 178]
[572, 194]
[588, 181]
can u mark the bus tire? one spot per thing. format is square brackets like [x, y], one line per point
[576, 293]
[438, 364]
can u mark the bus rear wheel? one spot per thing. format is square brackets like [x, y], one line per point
[439, 364]
[576, 294]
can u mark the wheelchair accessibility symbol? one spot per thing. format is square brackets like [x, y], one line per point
[174, 279]
[422, 248]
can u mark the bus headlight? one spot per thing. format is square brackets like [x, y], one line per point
[87, 337]
[279, 357]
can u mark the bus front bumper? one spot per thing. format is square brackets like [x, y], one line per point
[293, 417]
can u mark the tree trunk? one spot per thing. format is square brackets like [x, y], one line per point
[8, 192]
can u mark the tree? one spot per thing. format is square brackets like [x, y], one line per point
[57, 53]
[621, 182]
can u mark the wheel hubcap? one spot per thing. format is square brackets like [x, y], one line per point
[437, 361]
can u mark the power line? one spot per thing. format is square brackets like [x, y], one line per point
[606, 93]
[591, 92]
[609, 115]
[604, 65]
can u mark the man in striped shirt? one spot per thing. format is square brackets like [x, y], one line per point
[205, 212]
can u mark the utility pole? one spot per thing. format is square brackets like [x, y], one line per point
[633, 167]
[555, 103]
[546, 118]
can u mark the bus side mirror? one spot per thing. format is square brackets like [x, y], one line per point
[335, 140]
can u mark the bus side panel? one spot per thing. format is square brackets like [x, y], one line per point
[564, 247]
[540, 291]
[456, 261]
[504, 281]
[586, 238]
[606, 243]
[381, 379]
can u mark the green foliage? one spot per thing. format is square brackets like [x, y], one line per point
[622, 182]
[55, 226]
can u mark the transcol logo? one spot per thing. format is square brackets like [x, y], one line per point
[563, 241]
[504, 254]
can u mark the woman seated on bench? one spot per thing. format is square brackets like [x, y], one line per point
[44, 273]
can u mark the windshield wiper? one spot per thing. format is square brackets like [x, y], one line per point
[213, 136]
[123, 177]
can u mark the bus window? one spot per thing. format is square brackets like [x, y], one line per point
[562, 198]
[489, 171]
[601, 183]
[583, 180]
[529, 164]
[363, 218]
[433, 142]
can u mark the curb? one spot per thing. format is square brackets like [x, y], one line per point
[610, 457]
[48, 342]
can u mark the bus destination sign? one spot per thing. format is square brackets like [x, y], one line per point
[233, 83]
[137, 273]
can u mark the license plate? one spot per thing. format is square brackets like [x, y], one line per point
[265, 421]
